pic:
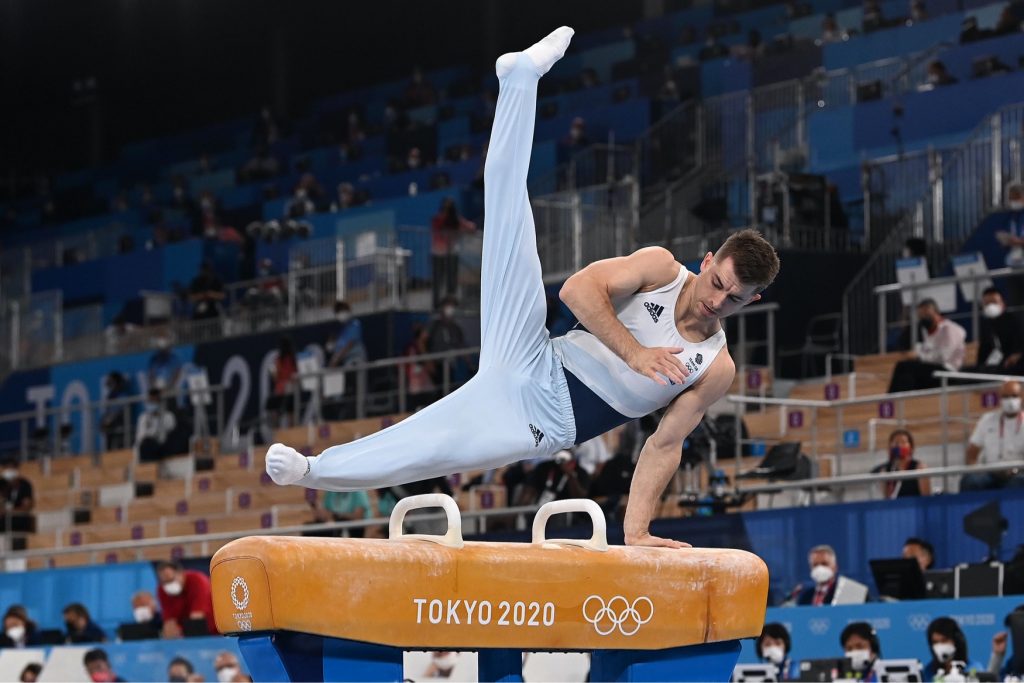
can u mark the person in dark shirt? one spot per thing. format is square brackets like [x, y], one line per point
[206, 292]
[97, 665]
[18, 497]
[901, 459]
[80, 626]
[1001, 337]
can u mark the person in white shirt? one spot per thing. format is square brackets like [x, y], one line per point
[998, 436]
[155, 424]
[941, 348]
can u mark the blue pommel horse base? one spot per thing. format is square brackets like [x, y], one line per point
[316, 609]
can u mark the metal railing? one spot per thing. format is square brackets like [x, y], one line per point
[47, 431]
[959, 188]
[598, 164]
[914, 289]
[890, 406]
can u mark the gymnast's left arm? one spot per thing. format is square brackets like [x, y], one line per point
[659, 458]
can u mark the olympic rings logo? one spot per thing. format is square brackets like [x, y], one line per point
[240, 602]
[618, 613]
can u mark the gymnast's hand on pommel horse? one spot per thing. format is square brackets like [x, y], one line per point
[650, 336]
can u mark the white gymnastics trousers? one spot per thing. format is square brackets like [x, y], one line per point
[517, 406]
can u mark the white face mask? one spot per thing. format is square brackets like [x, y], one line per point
[992, 310]
[1011, 405]
[227, 673]
[344, 317]
[16, 633]
[142, 614]
[1016, 205]
[774, 653]
[448, 311]
[859, 659]
[944, 651]
[822, 574]
[173, 588]
[10, 475]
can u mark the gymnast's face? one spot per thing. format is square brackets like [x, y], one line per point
[719, 293]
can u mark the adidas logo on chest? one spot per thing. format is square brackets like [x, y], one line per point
[654, 309]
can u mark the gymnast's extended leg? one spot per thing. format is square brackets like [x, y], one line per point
[491, 420]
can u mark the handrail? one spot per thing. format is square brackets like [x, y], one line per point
[948, 280]
[947, 374]
[108, 546]
[875, 398]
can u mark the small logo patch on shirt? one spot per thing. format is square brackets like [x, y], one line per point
[699, 359]
[537, 435]
[654, 309]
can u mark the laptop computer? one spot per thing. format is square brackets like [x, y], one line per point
[978, 580]
[899, 578]
[898, 670]
[755, 673]
[132, 631]
[939, 583]
[849, 592]
[194, 628]
[824, 669]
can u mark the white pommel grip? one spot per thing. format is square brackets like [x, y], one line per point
[452, 539]
[598, 541]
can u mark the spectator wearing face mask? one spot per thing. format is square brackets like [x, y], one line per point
[1001, 343]
[164, 366]
[346, 344]
[97, 665]
[183, 594]
[146, 612]
[1011, 238]
[920, 550]
[445, 229]
[227, 667]
[153, 429]
[941, 348]
[998, 436]
[80, 626]
[948, 645]
[17, 495]
[901, 459]
[860, 645]
[442, 663]
[445, 335]
[824, 574]
[19, 630]
[773, 647]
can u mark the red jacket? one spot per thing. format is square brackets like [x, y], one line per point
[195, 596]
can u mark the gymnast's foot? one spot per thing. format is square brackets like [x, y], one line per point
[543, 54]
[285, 465]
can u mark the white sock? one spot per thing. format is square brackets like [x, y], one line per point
[543, 54]
[285, 465]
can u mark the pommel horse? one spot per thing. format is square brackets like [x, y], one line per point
[320, 609]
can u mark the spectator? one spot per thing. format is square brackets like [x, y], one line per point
[445, 335]
[262, 166]
[180, 199]
[555, 479]
[969, 31]
[1013, 666]
[860, 645]
[153, 429]
[920, 550]
[997, 437]
[346, 198]
[712, 49]
[184, 594]
[227, 667]
[592, 455]
[112, 421]
[206, 292]
[268, 292]
[344, 506]
[872, 16]
[15, 490]
[180, 670]
[824, 574]
[19, 630]
[942, 348]
[577, 137]
[281, 402]
[948, 644]
[80, 627]
[830, 31]
[30, 674]
[346, 344]
[300, 204]
[1012, 239]
[146, 611]
[914, 247]
[918, 12]
[773, 646]
[164, 366]
[118, 334]
[419, 92]
[97, 665]
[938, 75]
[442, 662]
[1001, 347]
[419, 375]
[1008, 22]
[901, 459]
[445, 228]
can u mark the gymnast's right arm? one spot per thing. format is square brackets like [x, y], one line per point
[589, 294]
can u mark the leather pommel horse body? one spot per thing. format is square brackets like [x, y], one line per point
[320, 609]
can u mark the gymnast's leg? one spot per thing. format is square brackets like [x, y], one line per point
[488, 422]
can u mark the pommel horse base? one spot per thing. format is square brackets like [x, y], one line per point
[316, 609]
